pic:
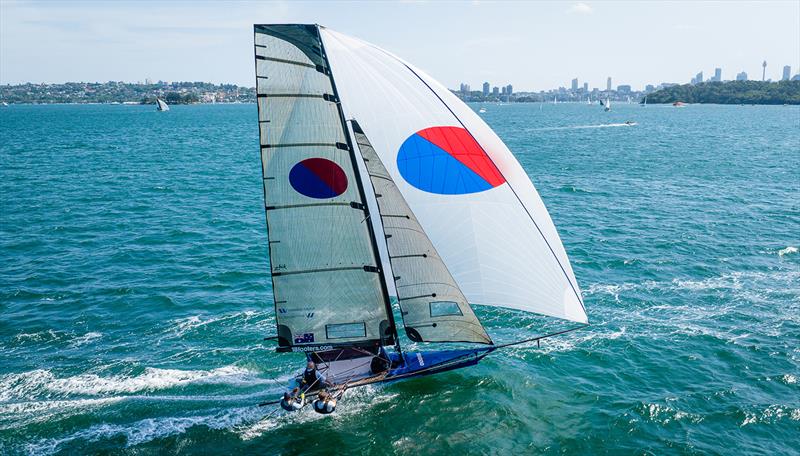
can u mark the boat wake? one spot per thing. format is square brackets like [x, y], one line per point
[581, 127]
[23, 385]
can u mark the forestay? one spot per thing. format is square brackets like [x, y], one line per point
[433, 307]
[468, 192]
[327, 281]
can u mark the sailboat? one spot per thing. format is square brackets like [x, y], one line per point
[589, 100]
[606, 105]
[378, 181]
[161, 105]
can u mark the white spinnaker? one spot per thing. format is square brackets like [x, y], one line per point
[500, 245]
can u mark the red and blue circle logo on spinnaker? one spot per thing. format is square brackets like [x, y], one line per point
[318, 178]
[447, 161]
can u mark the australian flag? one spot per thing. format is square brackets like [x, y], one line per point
[304, 339]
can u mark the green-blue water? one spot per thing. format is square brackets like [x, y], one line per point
[134, 292]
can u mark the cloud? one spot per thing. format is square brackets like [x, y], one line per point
[580, 8]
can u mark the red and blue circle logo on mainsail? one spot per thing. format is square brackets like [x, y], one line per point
[447, 161]
[318, 178]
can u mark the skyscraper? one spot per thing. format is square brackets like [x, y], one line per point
[509, 89]
[698, 78]
[608, 84]
[718, 74]
[485, 89]
[585, 87]
[741, 76]
[575, 84]
[787, 73]
[495, 91]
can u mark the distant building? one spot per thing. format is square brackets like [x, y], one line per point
[624, 88]
[787, 73]
[464, 88]
[698, 78]
[575, 84]
[509, 89]
[504, 90]
[741, 76]
[649, 88]
[495, 91]
[608, 84]
[796, 77]
[764, 71]
[485, 89]
[717, 75]
[585, 87]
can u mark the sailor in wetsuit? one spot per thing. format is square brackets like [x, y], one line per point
[312, 378]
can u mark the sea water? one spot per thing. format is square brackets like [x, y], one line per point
[134, 292]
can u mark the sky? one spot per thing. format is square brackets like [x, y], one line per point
[532, 45]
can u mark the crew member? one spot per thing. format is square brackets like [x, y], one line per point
[294, 401]
[325, 403]
[312, 378]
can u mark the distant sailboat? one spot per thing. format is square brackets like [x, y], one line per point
[161, 105]
[349, 173]
[607, 104]
[644, 102]
[555, 101]
[589, 100]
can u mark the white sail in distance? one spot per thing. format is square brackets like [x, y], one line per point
[476, 204]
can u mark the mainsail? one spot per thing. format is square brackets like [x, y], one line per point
[433, 307]
[161, 105]
[327, 277]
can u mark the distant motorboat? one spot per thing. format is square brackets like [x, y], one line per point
[679, 104]
[5, 104]
[482, 110]
[161, 105]
[630, 123]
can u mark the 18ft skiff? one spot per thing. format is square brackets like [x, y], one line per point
[378, 181]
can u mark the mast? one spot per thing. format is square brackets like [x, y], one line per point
[360, 184]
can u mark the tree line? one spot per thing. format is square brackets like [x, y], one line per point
[731, 92]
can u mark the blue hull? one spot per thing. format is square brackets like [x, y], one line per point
[416, 364]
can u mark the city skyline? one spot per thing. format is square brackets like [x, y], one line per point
[535, 45]
[575, 83]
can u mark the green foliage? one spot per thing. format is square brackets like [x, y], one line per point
[122, 92]
[731, 92]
